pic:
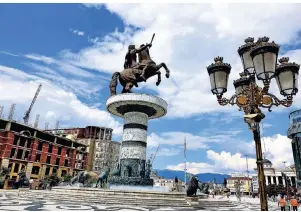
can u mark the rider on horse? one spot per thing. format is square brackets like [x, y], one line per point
[131, 58]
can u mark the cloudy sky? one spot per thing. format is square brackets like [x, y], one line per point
[72, 49]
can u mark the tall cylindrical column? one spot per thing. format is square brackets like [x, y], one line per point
[136, 109]
[133, 150]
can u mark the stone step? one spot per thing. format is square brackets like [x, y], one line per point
[115, 197]
[114, 192]
[110, 201]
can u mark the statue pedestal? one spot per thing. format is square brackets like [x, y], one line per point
[136, 109]
[193, 201]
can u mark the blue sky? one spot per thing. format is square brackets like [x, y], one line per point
[72, 49]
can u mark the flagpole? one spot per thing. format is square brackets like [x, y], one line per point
[185, 161]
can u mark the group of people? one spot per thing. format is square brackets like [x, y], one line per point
[285, 203]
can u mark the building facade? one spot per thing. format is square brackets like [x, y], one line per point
[294, 133]
[274, 176]
[246, 184]
[168, 185]
[38, 153]
[102, 150]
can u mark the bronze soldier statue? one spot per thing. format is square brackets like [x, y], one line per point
[137, 72]
[131, 56]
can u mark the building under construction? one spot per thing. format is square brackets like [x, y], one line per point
[102, 150]
[37, 152]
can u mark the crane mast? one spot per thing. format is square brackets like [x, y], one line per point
[153, 158]
[26, 117]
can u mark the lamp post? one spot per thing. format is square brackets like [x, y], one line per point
[248, 174]
[258, 59]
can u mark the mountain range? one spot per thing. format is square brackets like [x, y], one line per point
[203, 177]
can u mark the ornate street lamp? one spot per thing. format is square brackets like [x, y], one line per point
[259, 60]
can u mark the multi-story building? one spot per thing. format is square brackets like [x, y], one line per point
[274, 176]
[37, 152]
[167, 184]
[102, 150]
[245, 183]
[294, 133]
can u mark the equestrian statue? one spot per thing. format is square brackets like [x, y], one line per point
[193, 187]
[135, 72]
[103, 177]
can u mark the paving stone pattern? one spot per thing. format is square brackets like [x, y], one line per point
[51, 200]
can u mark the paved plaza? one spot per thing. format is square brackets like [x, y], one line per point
[51, 200]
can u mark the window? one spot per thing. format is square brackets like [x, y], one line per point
[67, 152]
[59, 150]
[12, 153]
[66, 162]
[64, 172]
[40, 146]
[48, 159]
[26, 155]
[16, 140]
[54, 170]
[19, 154]
[16, 168]
[50, 147]
[38, 157]
[57, 162]
[47, 170]
[35, 170]
[22, 142]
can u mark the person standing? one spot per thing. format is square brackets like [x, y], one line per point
[282, 203]
[294, 203]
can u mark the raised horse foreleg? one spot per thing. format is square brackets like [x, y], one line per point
[159, 77]
[165, 67]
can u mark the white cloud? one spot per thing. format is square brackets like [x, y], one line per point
[278, 150]
[168, 152]
[77, 32]
[53, 102]
[193, 168]
[61, 65]
[193, 142]
[187, 43]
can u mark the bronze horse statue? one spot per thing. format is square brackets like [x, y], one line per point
[130, 77]
[193, 187]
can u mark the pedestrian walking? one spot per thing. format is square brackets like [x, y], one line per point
[288, 205]
[294, 203]
[282, 203]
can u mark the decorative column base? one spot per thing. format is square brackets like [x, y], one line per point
[136, 109]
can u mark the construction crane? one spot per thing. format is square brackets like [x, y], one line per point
[11, 112]
[26, 117]
[153, 157]
[36, 123]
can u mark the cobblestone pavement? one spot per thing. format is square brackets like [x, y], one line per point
[50, 201]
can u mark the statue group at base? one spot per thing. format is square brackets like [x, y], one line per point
[194, 185]
[23, 181]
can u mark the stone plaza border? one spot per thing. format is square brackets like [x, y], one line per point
[136, 109]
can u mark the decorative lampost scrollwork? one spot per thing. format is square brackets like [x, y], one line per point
[259, 60]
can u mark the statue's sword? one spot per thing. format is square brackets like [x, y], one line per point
[152, 38]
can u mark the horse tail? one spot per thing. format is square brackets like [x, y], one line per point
[113, 83]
